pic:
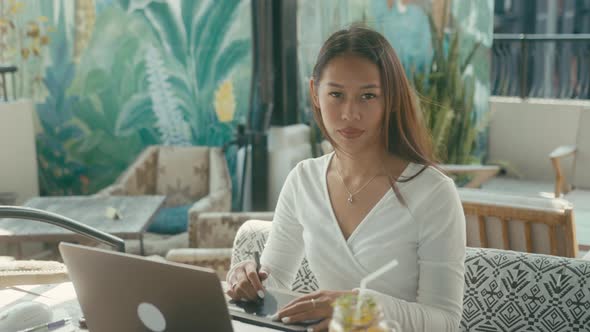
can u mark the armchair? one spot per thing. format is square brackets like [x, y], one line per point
[211, 237]
[194, 180]
[579, 189]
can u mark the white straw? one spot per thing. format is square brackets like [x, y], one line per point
[370, 278]
[378, 273]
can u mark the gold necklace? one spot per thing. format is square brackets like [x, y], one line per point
[350, 194]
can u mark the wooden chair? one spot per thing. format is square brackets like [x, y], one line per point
[577, 190]
[530, 224]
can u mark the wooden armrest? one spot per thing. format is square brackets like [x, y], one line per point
[560, 181]
[458, 169]
[481, 173]
[563, 151]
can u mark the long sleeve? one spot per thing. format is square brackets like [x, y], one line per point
[441, 254]
[284, 249]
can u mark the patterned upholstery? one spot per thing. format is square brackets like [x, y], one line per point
[211, 236]
[218, 229]
[515, 291]
[504, 290]
[217, 259]
[183, 174]
[251, 238]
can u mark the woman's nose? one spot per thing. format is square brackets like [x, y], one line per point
[350, 111]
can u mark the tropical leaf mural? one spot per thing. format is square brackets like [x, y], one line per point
[201, 58]
[114, 76]
[58, 173]
[170, 122]
[122, 75]
[25, 31]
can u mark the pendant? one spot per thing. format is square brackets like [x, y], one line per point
[349, 199]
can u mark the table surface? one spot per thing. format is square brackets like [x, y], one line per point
[136, 215]
[63, 301]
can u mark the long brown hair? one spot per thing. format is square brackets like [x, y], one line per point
[405, 133]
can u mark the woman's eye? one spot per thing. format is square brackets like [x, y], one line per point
[368, 96]
[335, 94]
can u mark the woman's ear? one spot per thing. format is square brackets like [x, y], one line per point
[313, 93]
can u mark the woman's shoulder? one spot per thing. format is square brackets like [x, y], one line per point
[308, 171]
[312, 166]
[429, 176]
[429, 184]
[429, 191]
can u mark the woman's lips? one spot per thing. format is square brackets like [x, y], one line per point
[351, 132]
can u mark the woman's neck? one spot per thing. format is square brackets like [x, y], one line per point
[363, 164]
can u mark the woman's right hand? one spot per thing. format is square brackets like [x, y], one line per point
[245, 284]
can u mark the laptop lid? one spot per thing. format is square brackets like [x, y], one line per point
[122, 292]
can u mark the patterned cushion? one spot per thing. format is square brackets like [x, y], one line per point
[251, 238]
[155, 244]
[183, 174]
[504, 290]
[217, 259]
[515, 291]
[218, 229]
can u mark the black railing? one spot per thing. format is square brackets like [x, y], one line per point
[543, 66]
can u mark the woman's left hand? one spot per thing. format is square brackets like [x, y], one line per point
[313, 306]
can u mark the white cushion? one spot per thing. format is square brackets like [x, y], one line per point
[31, 272]
[520, 187]
[514, 201]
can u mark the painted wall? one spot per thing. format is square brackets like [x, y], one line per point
[111, 77]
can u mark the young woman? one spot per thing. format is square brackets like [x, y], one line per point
[376, 198]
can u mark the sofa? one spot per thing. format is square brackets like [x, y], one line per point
[504, 290]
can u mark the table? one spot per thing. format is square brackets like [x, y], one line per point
[62, 299]
[136, 215]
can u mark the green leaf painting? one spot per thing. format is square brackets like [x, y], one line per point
[142, 73]
[200, 56]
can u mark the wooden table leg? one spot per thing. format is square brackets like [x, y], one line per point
[19, 250]
[141, 250]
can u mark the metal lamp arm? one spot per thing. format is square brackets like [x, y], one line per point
[19, 212]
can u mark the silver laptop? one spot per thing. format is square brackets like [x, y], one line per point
[123, 292]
